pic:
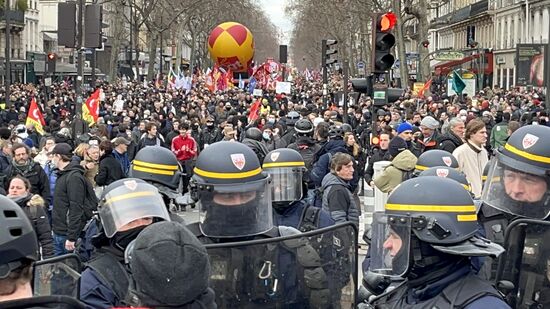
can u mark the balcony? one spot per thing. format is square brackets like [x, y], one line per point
[17, 18]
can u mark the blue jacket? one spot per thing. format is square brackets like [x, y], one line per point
[94, 293]
[291, 216]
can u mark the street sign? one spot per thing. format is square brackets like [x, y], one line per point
[379, 94]
[449, 55]
[47, 81]
[360, 65]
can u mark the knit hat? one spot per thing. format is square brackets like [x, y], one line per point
[397, 144]
[429, 122]
[405, 126]
[169, 264]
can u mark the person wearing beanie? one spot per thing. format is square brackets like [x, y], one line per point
[403, 127]
[170, 268]
[430, 134]
[400, 168]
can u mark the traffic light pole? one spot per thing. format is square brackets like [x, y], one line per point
[345, 92]
[78, 123]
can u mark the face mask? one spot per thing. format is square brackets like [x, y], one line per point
[121, 240]
[209, 124]
[271, 120]
[266, 136]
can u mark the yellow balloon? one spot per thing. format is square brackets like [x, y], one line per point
[231, 46]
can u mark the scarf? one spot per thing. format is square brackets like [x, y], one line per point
[124, 162]
[25, 168]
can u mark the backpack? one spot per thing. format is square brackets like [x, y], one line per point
[84, 247]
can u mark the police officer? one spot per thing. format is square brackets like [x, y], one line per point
[18, 251]
[432, 158]
[126, 208]
[160, 167]
[286, 168]
[517, 186]
[305, 144]
[428, 239]
[289, 136]
[234, 198]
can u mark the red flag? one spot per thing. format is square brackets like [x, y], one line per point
[35, 117]
[426, 87]
[90, 110]
[254, 111]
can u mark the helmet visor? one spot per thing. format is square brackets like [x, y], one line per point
[516, 192]
[286, 184]
[234, 210]
[390, 244]
[123, 205]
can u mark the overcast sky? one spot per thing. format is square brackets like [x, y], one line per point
[275, 9]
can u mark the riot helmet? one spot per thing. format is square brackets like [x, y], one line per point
[18, 241]
[437, 222]
[335, 132]
[232, 192]
[286, 168]
[127, 200]
[292, 117]
[254, 134]
[304, 127]
[448, 172]
[432, 158]
[518, 180]
[160, 167]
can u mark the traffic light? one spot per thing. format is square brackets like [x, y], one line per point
[383, 40]
[327, 52]
[50, 62]
[426, 43]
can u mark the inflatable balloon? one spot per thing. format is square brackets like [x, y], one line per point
[231, 46]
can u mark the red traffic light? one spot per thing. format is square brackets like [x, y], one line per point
[426, 43]
[51, 56]
[386, 21]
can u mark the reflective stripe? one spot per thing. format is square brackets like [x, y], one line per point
[462, 218]
[284, 164]
[216, 175]
[467, 187]
[153, 170]
[153, 165]
[483, 178]
[129, 196]
[432, 208]
[420, 167]
[527, 155]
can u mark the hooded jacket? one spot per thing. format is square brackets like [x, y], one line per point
[392, 175]
[69, 213]
[338, 200]
[37, 177]
[33, 206]
[322, 166]
[259, 148]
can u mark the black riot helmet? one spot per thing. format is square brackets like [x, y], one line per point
[286, 168]
[450, 173]
[438, 221]
[304, 127]
[253, 133]
[18, 240]
[433, 158]
[129, 199]
[233, 193]
[160, 167]
[518, 179]
[335, 132]
[292, 117]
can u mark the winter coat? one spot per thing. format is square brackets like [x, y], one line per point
[258, 147]
[338, 200]
[90, 172]
[499, 134]
[51, 172]
[393, 174]
[33, 206]
[109, 170]
[377, 156]
[322, 166]
[449, 142]
[72, 196]
[471, 162]
[37, 177]
[273, 143]
[5, 165]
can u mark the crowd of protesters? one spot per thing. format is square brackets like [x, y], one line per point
[48, 173]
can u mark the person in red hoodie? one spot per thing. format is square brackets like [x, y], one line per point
[185, 148]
